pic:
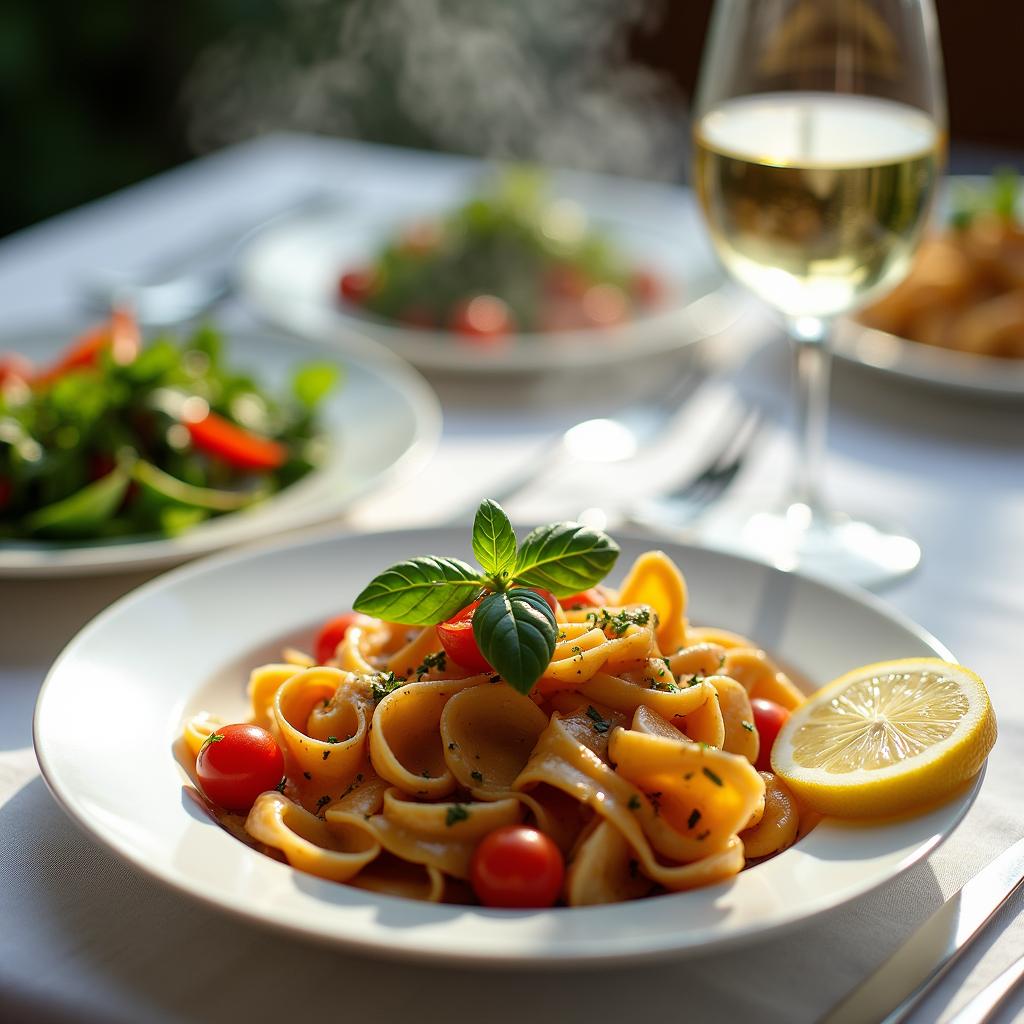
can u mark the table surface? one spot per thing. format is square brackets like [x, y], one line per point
[85, 937]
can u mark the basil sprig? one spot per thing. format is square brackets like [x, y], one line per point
[514, 627]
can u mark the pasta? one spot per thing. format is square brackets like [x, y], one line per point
[634, 753]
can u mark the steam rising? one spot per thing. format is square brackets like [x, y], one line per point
[543, 80]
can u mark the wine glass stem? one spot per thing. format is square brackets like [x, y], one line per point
[813, 366]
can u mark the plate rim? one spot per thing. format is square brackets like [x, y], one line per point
[26, 560]
[819, 905]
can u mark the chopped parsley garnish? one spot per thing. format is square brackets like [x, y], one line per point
[438, 660]
[456, 813]
[383, 684]
[280, 786]
[577, 651]
[749, 726]
[666, 687]
[695, 679]
[333, 739]
[634, 803]
[601, 725]
[716, 779]
[477, 776]
[620, 621]
[693, 818]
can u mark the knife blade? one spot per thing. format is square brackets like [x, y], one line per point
[898, 986]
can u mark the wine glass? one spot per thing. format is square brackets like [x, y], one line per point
[819, 135]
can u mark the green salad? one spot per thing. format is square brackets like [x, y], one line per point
[509, 259]
[117, 438]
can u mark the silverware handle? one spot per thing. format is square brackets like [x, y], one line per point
[991, 997]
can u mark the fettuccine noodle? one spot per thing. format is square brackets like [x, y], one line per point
[634, 753]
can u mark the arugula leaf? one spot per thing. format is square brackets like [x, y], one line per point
[565, 558]
[515, 631]
[421, 591]
[494, 540]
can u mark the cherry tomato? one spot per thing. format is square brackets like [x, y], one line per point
[483, 319]
[234, 445]
[237, 763]
[456, 636]
[516, 866]
[548, 596]
[605, 305]
[332, 633]
[646, 286]
[592, 598]
[357, 285]
[120, 334]
[769, 718]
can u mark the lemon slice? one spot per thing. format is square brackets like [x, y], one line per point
[886, 738]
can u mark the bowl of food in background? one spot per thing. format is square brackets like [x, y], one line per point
[957, 319]
[520, 276]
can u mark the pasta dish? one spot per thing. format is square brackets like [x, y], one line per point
[629, 757]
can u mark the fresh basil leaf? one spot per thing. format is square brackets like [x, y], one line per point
[565, 558]
[313, 381]
[494, 540]
[516, 633]
[421, 591]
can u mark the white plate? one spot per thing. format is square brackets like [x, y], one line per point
[928, 364]
[358, 459]
[119, 693]
[291, 269]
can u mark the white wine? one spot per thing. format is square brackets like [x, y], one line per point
[816, 200]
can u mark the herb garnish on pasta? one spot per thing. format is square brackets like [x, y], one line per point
[513, 625]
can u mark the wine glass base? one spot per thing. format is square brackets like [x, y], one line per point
[795, 537]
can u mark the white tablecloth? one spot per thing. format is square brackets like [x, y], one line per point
[85, 937]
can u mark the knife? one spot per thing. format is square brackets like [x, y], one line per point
[924, 958]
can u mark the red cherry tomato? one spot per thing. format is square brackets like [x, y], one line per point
[646, 286]
[120, 334]
[605, 305]
[332, 633]
[234, 445]
[769, 718]
[592, 598]
[357, 285]
[456, 636]
[548, 596]
[516, 866]
[237, 763]
[483, 319]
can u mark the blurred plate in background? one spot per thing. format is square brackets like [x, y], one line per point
[294, 266]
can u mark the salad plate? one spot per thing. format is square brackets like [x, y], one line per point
[240, 608]
[949, 368]
[290, 272]
[355, 460]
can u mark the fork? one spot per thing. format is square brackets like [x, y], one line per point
[686, 502]
[614, 438]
